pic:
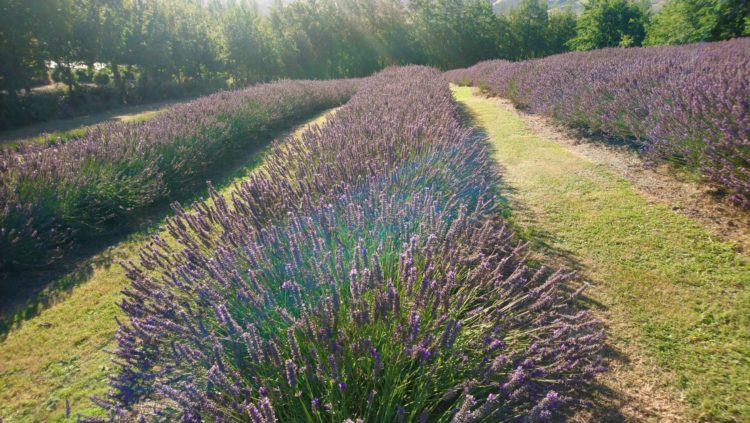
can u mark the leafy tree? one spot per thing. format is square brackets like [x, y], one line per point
[388, 25]
[454, 33]
[610, 23]
[21, 51]
[732, 19]
[110, 33]
[687, 21]
[561, 28]
[250, 53]
[528, 29]
[193, 46]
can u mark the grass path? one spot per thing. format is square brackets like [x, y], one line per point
[675, 299]
[62, 352]
[76, 126]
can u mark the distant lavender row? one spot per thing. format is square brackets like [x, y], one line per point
[689, 103]
[52, 196]
[363, 275]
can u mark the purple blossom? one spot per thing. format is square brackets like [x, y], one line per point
[398, 191]
[684, 104]
[54, 196]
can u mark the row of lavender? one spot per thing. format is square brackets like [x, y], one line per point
[688, 103]
[51, 196]
[362, 276]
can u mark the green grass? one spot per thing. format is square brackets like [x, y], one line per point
[67, 129]
[679, 294]
[61, 353]
[66, 135]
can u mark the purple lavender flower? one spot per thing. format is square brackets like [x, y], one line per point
[398, 191]
[684, 104]
[116, 170]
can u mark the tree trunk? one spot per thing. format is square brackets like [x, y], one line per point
[70, 80]
[119, 83]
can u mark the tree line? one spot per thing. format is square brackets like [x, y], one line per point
[144, 45]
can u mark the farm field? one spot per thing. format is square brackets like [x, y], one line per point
[652, 99]
[76, 127]
[62, 353]
[375, 211]
[674, 296]
[61, 195]
[390, 325]
[504, 242]
[77, 367]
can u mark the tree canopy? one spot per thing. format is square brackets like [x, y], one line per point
[610, 23]
[688, 21]
[145, 44]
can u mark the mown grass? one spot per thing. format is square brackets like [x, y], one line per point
[61, 353]
[677, 293]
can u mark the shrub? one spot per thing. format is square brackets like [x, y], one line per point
[56, 74]
[101, 77]
[84, 75]
[363, 274]
[687, 104]
[51, 196]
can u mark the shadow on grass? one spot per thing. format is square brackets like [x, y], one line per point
[604, 404]
[44, 287]
[59, 127]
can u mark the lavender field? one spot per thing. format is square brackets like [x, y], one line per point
[685, 104]
[423, 252]
[362, 277]
[55, 196]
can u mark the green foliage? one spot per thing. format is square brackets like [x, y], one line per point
[528, 29]
[249, 47]
[150, 44]
[453, 33]
[561, 28]
[158, 42]
[688, 21]
[169, 46]
[610, 23]
[56, 74]
[84, 75]
[101, 77]
[21, 52]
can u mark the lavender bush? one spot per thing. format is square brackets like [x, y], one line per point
[51, 196]
[363, 275]
[688, 103]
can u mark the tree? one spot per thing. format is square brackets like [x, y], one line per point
[688, 21]
[528, 29]
[610, 23]
[389, 25]
[21, 51]
[454, 33]
[250, 56]
[732, 19]
[561, 28]
[112, 30]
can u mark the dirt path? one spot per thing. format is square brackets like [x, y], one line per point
[673, 295]
[61, 353]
